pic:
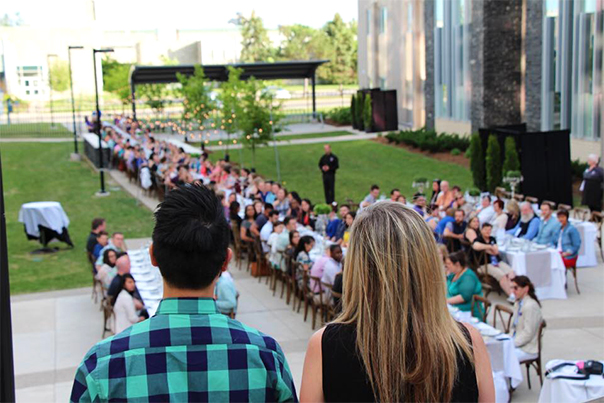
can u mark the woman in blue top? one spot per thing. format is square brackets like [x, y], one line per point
[569, 240]
[462, 284]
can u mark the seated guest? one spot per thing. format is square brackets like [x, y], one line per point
[294, 204]
[528, 226]
[98, 225]
[472, 229]
[526, 320]
[460, 203]
[462, 284]
[116, 243]
[234, 214]
[433, 218]
[337, 288]
[372, 197]
[344, 210]
[284, 240]
[513, 213]
[449, 217]
[496, 268]
[333, 266]
[435, 191]
[294, 241]
[402, 199]
[333, 224]
[107, 271]
[349, 219]
[124, 306]
[306, 217]
[262, 219]
[394, 195]
[318, 268]
[281, 204]
[246, 225]
[274, 256]
[446, 197]
[419, 204]
[302, 256]
[268, 229]
[102, 240]
[569, 240]
[270, 189]
[548, 228]
[486, 211]
[500, 218]
[258, 205]
[455, 230]
[225, 293]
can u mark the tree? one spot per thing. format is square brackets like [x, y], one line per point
[359, 111]
[493, 163]
[154, 95]
[477, 162]
[232, 91]
[368, 113]
[510, 162]
[301, 43]
[195, 91]
[116, 79]
[341, 50]
[59, 75]
[353, 114]
[256, 45]
[260, 115]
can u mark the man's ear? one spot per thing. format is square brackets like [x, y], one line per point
[229, 256]
[152, 255]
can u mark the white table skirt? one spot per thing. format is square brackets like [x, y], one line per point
[588, 232]
[567, 390]
[555, 290]
[48, 214]
[147, 277]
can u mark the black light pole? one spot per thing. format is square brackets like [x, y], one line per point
[75, 133]
[97, 125]
[52, 120]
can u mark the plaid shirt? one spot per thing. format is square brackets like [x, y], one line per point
[186, 352]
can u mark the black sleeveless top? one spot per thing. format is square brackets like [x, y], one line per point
[345, 379]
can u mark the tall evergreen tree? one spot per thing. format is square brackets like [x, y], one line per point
[493, 163]
[511, 161]
[255, 44]
[477, 163]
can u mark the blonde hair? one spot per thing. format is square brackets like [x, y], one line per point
[513, 208]
[394, 294]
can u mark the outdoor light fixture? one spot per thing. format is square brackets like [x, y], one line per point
[97, 126]
[75, 134]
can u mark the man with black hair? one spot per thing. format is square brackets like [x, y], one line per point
[262, 219]
[187, 351]
[98, 225]
[328, 164]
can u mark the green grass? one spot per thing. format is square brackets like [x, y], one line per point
[362, 163]
[285, 138]
[18, 130]
[43, 172]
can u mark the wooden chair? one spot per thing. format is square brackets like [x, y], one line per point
[499, 312]
[452, 244]
[573, 270]
[597, 218]
[260, 259]
[581, 213]
[329, 308]
[107, 315]
[489, 284]
[499, 192]
[551, 203]
[486, 304]
[531, 199]
[239, 247]
[536, 362]
[519, 197]
[97, 286]
[566, 207]
[316, 306]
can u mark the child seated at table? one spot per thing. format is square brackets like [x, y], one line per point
[274, 256]
[526, 320]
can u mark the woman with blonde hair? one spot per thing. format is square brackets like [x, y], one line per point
[395, 339]
[513, 212]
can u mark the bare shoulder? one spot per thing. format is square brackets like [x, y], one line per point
[315, 340]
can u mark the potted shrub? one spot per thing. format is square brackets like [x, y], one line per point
[368, 114]
[321, 211]
[353, 113]
[359, 111]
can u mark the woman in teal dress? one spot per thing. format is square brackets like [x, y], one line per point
[462, 284]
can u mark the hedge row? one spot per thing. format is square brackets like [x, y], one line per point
[341, 116]
[429, 140]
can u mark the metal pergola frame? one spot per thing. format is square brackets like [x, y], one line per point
[260, 71]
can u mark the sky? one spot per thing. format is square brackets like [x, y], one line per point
[182, 14]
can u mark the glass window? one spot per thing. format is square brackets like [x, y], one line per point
[27, 83]
[383, 19]
[383, 83]
[368, 14]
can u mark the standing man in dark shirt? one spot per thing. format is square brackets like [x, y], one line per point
[328, 164]
[98, 226]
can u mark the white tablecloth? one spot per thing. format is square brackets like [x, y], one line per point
[587, 253]
[147, 277]
[47, 214]
[93, 140]
[551, 285]
[567, 390]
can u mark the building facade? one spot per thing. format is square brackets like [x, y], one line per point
[460, 65]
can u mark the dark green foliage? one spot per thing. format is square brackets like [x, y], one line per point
[342, 116]
[493, 163]
[511, 161]
[577, 168]
[367, 113]
[477, 162]
[455, 151]
[353, 113]
[359, 111]
[429, 140]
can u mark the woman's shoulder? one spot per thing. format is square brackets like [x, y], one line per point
[470, 274]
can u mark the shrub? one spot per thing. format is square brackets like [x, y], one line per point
[474, 192]
[477, 162]
[353, 114]
[467, 153]
[429, 140]
[342, 116]
[493, 163]
[455, 151]
[511, 162]
[577, 168]
[322, 208]
[359, 111]
[367, 113]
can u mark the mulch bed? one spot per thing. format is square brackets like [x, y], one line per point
[441, 156]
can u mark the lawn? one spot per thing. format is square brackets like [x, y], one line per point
[43, 172]
[285, 138]
[362, 163]
[34, 130]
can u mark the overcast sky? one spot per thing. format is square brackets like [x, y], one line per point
[183, 14]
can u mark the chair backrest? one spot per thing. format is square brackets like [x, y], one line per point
[499, 192]
[566, 207]
[477, 299]
[542, 327]
[551, 204]
[519, 197]
[236, 234]
[498, 312]
[531, 199]
[317, 281]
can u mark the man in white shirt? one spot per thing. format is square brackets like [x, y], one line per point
[372, 197]
[267, 229]
[332, 267]
[486, 211]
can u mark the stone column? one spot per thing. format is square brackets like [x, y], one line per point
[429, 45]
[533, 46]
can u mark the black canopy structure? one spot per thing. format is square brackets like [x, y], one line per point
[220, 72]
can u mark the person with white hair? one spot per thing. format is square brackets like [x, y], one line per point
[528, 225]
[593, 178]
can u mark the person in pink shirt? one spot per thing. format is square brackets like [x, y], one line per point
[317, 269]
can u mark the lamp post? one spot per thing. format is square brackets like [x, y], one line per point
[97, 125]
[52, 121]
[75, 133]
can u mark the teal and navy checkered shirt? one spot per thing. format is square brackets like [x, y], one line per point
[186, 352]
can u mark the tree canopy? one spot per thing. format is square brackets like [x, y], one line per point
[59, 75]
[256, 45]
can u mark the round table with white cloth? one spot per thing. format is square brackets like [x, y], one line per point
[569, 390]
[48, 214]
